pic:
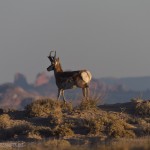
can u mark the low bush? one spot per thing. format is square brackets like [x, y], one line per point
[63, 130]
[92, 102]
[40, 108]
[5, 121]
[144, 127]
[88, 104]
[108, 124]
[95, 126]
[118, 128]
[44, 107]
[143, 108]
[34, 136]
[56, 116]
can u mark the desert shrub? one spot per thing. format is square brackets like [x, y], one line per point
[117, 127]
[117, 130]
[88, 104]
[63, 130]
[41, 108]
[91, 103]
[34, 135]
[144, 127]
[5, 121]
[95, 126]
[143, 108]
[107, 124]
[44, 107]
[66, 107]
[56, 116]
[137, 100]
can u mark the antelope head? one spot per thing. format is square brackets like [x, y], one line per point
[54, 61]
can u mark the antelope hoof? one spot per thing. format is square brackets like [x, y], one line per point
[87, 98]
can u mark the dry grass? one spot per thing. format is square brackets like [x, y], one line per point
[91, 103]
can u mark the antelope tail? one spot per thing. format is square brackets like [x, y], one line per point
[86, 76]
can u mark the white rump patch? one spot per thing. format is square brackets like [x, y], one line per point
[86, 76]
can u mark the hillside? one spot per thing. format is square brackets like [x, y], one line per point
[83, 126]
[48, 118]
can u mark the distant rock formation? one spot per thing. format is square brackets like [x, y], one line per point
[15, 97]
[41, 79]
[18, 94]
[20, 80]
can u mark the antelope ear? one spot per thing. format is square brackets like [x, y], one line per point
[58, 58]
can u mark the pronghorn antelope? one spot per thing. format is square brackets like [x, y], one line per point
[69, 79]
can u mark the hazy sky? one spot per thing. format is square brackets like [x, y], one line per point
[111, 38]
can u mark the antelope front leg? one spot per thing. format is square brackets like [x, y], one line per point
[59, 93]
[87, 93]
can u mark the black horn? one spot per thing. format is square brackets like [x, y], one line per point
[51, 58]
[55, 55]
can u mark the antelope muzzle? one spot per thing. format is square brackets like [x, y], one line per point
[50, 68]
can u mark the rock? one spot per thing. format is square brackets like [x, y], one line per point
[20, 80]
[16, 98]
[41, 79]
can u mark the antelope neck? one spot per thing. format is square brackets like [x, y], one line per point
[58, 68]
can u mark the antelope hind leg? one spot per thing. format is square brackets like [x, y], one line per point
[84, 92]
[63, 96]
[59, 94]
